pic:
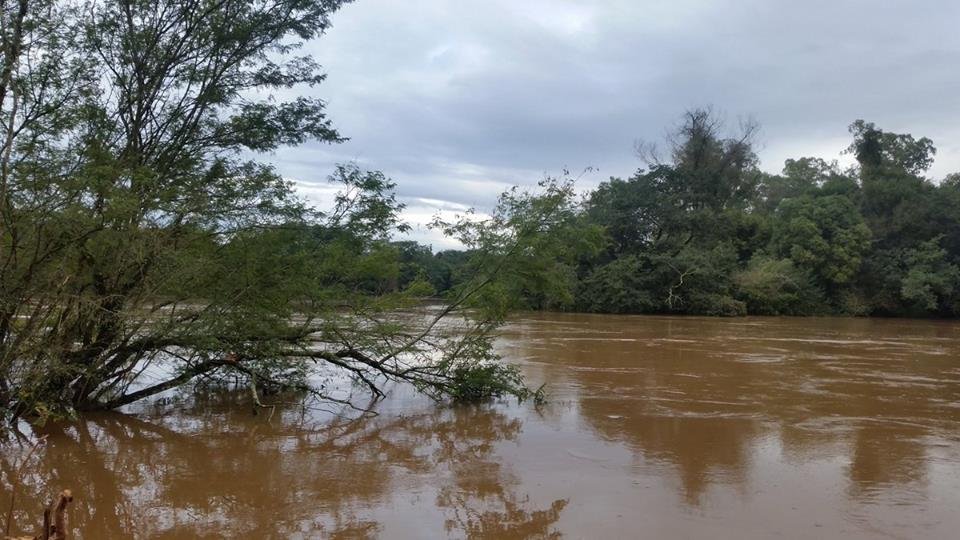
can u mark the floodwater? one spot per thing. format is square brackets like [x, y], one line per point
[657, 427]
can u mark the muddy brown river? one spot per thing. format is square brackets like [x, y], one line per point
[656, 427]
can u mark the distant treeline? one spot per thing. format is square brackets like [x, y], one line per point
[702, 230]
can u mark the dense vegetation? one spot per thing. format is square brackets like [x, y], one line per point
[702, 230]
[144, 247]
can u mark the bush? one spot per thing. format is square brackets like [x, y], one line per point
[776, 287]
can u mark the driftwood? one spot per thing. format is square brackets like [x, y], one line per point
[54, 520]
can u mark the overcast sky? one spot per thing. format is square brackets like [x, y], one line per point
[458, 99]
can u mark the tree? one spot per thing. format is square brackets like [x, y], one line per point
[800, 177]
[930, 280]
[417, 263]
[947, 212]
[911, 218]
[711, 171]
[141, 248]
[877, 151]
[895, 194]
[514, 258]
[823, 235]
[450, 268]
[634, 212]
[678, 229]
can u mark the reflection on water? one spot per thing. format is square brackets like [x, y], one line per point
[855, 420]
[224, 473]
[657, 427]
[699, 448]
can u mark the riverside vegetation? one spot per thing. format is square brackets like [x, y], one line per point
[703, 231]
[145, 246]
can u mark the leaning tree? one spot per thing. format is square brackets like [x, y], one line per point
[143, 246]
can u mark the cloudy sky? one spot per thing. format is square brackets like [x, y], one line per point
[458, 99]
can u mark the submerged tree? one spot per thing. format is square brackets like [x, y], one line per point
[141, 248]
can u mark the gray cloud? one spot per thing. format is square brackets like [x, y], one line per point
[456, 99]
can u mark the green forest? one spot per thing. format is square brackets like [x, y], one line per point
[702, 230]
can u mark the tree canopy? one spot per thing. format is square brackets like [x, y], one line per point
[705, 231]
[708, 232]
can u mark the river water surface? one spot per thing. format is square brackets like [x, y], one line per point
[656, 427]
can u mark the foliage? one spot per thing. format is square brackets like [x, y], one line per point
[777, 287]
[512, 260]
[620, 286]
[823, 235]
[706, 232]
[143, 247]
[930, 280]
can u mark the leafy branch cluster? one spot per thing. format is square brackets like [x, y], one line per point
[142, 248]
